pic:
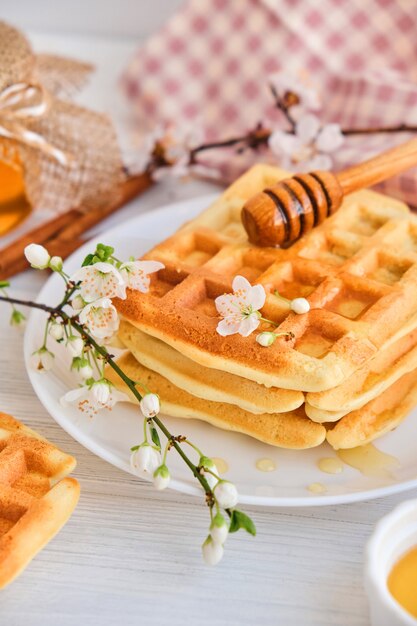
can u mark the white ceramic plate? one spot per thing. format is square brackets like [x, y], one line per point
[111, 434]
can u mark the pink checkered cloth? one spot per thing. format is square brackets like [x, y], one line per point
[210, 64]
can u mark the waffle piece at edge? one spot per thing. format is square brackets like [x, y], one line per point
[358, 270]
[203, 382]
[35, 497]
[370, 380]
[286, 430]
[378, 417]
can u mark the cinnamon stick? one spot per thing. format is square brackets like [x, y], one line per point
[61, 235]
[56, 247]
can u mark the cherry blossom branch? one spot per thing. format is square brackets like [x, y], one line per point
[110, 361]
[94, 319]
[260, 136]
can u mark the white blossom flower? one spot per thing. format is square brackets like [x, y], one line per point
[145, 460]
[42, 359]
[219, 528]
[83, 367]
[179, 169]
[149, 405]
[308, 149]
[240, 309]
[266, 338]
[226, 494]
[300, 305]
[290, 86]
[206, 462]
[56, 330]
[78, 303]
[143, 157]
[101, 390]
[161, 477]
[101, 280]
[87, 401]
[37, 255]
[75, 345]
[56, 263]
[100, 317]
[136, 273]
[212, 551]
[177, 145]
[180, 140]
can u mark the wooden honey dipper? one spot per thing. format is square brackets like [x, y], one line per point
[281, 214]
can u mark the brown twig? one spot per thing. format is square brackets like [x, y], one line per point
[262, 139]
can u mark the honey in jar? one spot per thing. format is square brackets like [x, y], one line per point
[14, 206]
[402, 581]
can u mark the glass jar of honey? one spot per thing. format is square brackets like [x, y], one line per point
[391, 568]
[402, 581]
[14, 206]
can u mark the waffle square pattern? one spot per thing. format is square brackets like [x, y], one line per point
[358, 270]
[36, 496]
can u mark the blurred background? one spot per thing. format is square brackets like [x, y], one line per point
[122, 19]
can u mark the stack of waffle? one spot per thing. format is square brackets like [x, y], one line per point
[349, 372]
[36, 495]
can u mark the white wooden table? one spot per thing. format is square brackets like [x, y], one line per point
[130, 555]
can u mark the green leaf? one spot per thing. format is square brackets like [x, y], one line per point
[103, 251]
[134, 448]
[241, 520]
[88, 260]
[101, 254]
[155, 437]
[4, 284]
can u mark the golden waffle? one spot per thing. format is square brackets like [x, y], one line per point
[35, 497]
[203, 382]
[367, 382]
[358, 270]
[285, 430]
[378, 417]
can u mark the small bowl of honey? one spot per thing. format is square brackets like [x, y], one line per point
[391, 568]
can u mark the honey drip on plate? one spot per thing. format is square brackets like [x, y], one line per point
[402, 581]
[266, 465]
[369, 461]
[330, 465]
[317, 488]
[221, 464]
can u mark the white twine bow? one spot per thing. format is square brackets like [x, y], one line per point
[21, 101]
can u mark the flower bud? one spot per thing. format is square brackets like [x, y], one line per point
[83, 367]
[56, 263]
[206, 462]
[101, 391]
[56, 330]
[86, 371]
[37, 255]
[75, 345]
[161, 477]
[145, 460]
[226, 494]
[149, 405]
[43, 359]
[78, 303]
[300, 305]
[212, 551]
[17, 318]
[266, 339]
[219, 528]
